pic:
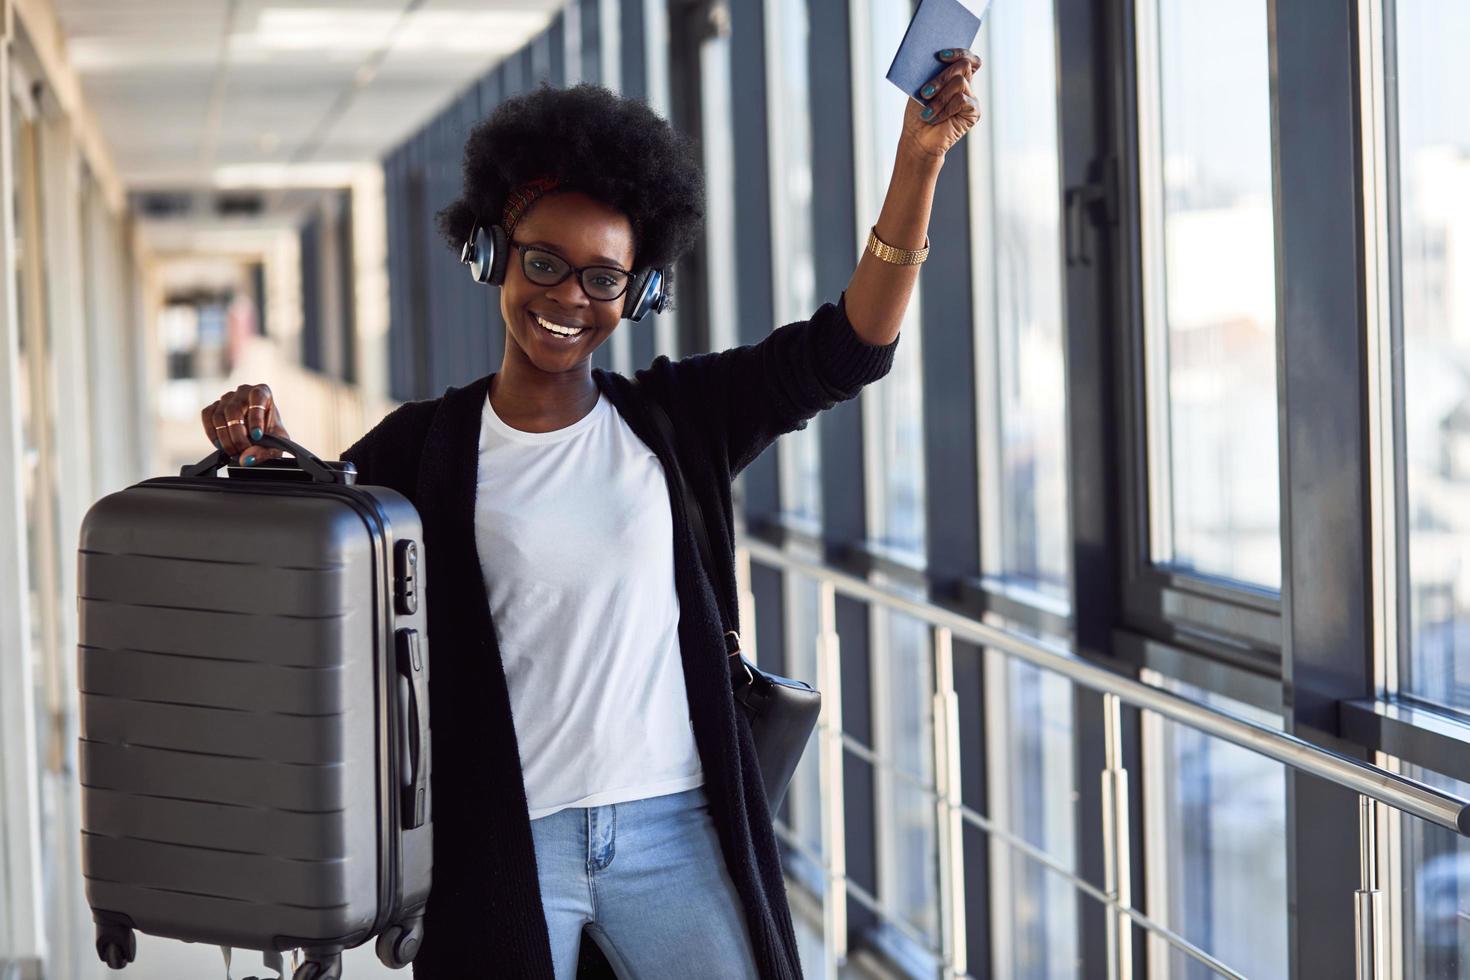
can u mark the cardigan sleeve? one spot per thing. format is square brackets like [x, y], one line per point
[763, 390]
[387, 455]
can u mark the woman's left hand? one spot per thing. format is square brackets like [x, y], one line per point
[951, 109]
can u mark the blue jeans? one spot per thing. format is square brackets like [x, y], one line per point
[648, 880]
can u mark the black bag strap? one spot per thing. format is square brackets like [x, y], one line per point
[696, 518]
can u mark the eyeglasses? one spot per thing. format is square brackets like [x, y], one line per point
[599, 282]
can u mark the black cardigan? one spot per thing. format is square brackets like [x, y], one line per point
[484, 916]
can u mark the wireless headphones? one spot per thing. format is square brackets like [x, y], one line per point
[487, 253]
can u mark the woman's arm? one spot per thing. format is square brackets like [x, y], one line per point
[740, 400]
[878, 293]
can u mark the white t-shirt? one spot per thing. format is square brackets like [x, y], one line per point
[576, 544]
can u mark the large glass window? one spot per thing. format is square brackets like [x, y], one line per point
[1209, 288]
[1215, 822]
[1029, 736]
[716, 113]
[803, 625]
[1436, 892]
[35, 371]
[1017, 224]
[892, 408]
[1434, 215]
[903, 722]
[793, 268]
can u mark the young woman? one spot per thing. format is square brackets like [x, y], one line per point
[590, 769]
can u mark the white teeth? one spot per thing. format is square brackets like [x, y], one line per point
[556, 329]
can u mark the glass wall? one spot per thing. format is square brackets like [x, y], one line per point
[1029, 732]
[1434, 253]
[1436, 895]
[903, 724]
[803, 625]
[1210, 288]
[1017, 226]
[1215, 822]
[718, 140]
[40, 473]
[792, 264]
[892, 410]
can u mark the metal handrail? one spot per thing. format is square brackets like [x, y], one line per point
[1401, 792]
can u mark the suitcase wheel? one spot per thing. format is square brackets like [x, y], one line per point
[117, 946]
[329, 968]
[399, 944]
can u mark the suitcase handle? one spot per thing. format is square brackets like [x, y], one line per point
[308, 461]
[413, 727]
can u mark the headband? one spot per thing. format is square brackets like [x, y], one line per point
[519, 200]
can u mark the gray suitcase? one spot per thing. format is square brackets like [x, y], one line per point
[253, 672]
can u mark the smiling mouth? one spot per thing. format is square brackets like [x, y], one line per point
[556, 331]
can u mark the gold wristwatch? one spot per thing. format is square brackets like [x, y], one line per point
[896, 256]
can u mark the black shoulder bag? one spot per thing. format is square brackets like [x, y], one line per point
[782, 711]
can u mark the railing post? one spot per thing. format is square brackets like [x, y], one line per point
[1368, 918]
[947, 808]
[1117, 862]
[834, 816]
[745, 605]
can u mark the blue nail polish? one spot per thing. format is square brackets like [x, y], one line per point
[255, 434]
[217, 444]
[947, 53]
[249, 460]
[927, 91]
[927, 112]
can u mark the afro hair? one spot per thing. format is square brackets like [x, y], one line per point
[613, 149]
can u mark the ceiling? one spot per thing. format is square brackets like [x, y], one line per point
[276, 93]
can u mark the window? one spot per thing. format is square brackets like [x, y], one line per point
[892, 408]
[1433, 205]
[1017, 223]
[1209, 289]
[716, 113]
[1436, 892]
[1215, 826]
[792, 266]
[1029, 735]
[803, 626]
[903, 726]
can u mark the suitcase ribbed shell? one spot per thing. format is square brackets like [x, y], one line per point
[229, 677]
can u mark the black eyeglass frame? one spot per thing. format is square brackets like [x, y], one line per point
[580, 271]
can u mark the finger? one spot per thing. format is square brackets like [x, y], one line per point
[943, 105]
[959, 56]
[257, 411]
[964, 106]
[253, 455]
[206, 419]
[944, 76]
[958, 85]
[274, 427]
[219, 419]
[230, 426]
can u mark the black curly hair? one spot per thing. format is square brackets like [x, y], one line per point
[615, 150]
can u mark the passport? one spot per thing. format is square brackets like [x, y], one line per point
[937, 24]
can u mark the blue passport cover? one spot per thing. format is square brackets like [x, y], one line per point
[937, 24]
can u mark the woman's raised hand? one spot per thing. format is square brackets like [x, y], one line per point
[948, 110]
[239, 418]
